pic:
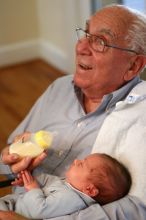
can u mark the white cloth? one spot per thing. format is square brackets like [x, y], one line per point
[123, 135]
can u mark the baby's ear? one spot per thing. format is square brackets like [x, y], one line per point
[90, 190]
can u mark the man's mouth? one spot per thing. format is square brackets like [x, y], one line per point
[84, 67]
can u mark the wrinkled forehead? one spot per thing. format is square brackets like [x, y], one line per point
[113, 21]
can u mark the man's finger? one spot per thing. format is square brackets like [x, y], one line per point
[24, 136]
[21, 165]
[9, 158]
[37, 161]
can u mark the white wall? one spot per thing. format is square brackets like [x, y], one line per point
[41, 28]
[18, 21]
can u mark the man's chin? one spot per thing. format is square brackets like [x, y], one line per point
[78, 79]
[80, 82]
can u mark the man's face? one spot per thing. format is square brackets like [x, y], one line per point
[104, 72]
[80, 172]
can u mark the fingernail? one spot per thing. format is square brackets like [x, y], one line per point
[43, 156]
[15, 157]
[28, 159]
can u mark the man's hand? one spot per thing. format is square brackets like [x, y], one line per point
[11, 159]
[9, 215]
[14, 161]
[18, 164]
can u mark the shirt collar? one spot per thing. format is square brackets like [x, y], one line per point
[87, 199]
[121, 93]
[111, 99]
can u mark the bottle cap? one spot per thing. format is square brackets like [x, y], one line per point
[43, 138]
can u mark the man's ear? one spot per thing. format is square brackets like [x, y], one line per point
[136, 67]
[91, 190]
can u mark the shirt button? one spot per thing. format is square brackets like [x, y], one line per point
[79, 124]
[59, 153]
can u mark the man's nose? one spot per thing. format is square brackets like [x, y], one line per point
[83, 47]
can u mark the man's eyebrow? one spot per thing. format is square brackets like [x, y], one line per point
[108, 32]
[102, 31]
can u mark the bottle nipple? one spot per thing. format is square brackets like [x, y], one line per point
[43, 138]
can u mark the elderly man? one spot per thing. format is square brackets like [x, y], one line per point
[103, 98]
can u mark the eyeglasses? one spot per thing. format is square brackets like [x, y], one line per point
[98, 43]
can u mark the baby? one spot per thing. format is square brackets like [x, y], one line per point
[97, 178]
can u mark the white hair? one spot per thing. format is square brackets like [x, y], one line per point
[137, 33]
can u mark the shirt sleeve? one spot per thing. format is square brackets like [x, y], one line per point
[128, 208]
[34, 204]
[5, 169]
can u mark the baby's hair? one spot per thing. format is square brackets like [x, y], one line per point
[113, 180]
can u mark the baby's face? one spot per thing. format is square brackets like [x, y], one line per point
[80, 171]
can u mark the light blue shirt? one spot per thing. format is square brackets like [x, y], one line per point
[55, 198]
[60, 109]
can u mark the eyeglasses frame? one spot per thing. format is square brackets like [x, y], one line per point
[105, 44]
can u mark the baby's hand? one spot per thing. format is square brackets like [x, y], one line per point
[18, 181]
[28, 180]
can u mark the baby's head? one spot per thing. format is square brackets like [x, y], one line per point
[100, 176]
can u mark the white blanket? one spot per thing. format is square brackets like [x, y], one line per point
[123, 135]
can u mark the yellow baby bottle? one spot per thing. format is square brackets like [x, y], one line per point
[34, 146]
